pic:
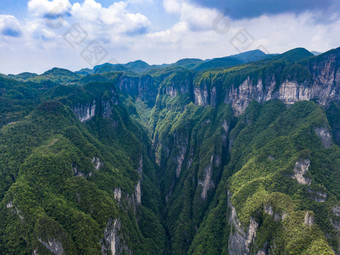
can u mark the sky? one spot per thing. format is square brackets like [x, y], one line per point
[37, 35]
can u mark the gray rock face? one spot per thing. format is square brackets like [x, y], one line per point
[300, 169]
[139, 87]
[54, 246]
[113, 241]
[175, 89]
[241, 96]
[336, 210]
[138, 193]
[97, 163]
[207, 183]
[323, 86]
[85, 112]
[14, 209]
[325, 136]
[336, 222]
[240, 240]
[181, 141]
[309, 220]
[117, 194]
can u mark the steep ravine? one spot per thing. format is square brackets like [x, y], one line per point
[234, 161]
[192, 119]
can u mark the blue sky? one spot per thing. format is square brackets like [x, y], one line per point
[36, 35]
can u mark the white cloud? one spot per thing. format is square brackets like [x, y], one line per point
[10, 26]
[198, 18]
[48, 9]
[128, 34]
[98, 21]
[116, 19]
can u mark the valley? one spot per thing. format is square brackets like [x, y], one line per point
[236, 155]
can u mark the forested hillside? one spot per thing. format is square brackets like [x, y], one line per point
[237, 155]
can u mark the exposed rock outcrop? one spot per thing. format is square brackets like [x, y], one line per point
[138, 193]
[239, 240]
[97, 163]
[117, 193]
[85, 112]
[207, 183]
[14, 209]
[309, 219]
[300, 169]
[112, 243]
[325, 136]
[322, 84]
[53, 245]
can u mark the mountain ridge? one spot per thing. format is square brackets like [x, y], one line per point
[174, 161]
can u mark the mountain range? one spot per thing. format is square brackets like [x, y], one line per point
[233, 155]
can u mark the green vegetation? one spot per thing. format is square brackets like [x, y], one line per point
[122, 155]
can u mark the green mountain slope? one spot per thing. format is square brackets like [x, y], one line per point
[59, 182]
[280, 182]
[234, 60]
[242, 159]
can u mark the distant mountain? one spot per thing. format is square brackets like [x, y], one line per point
[252, 56]
[23, 76]
[85, 71]
[109, 68]
[138, 66]
[238, 59]
[294, 55]
[57, 75]
[189, 62]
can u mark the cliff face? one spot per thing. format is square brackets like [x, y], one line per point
[321, 84]
[315, 79]
[142, 87]
[192, 143]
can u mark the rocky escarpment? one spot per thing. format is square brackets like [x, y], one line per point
[191, 142]
[113, 241]
[102, 105]
[239, 239]
[318, 79]
[142, 87]
[300, 170]
[86, 111]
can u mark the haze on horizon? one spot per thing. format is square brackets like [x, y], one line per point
[36, 35]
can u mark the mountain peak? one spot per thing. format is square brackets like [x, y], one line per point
[295, 55]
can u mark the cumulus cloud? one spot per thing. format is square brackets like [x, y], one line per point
[49, 9]
[115, 19]
[101, 23]
[170, 30]
[240, 9]
[196, 17]
[10, 26]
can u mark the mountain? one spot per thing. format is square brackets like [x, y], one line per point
[189, 62]
[85, 71]
[239, 159]
[135, 67]
[138, 66]
[242, 58]
[295, 55]
[23, 76]
[56, 75]
[109, 68]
